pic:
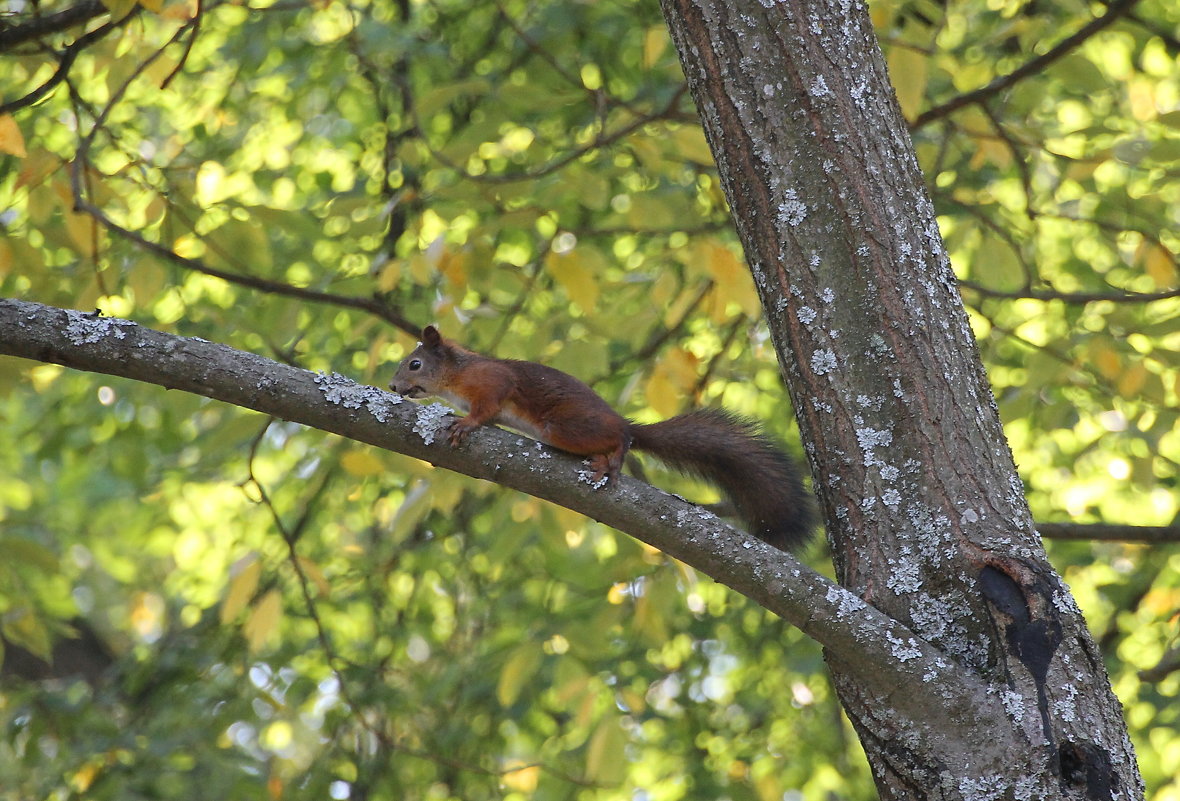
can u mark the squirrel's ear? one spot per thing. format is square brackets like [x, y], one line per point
[430, 337]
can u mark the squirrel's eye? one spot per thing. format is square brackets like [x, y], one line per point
[415, 364]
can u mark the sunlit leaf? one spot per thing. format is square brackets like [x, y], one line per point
[241, 589]
[518, 670]
[908, 70]
[263, 620]
[1131, 380]
[313, 572]
[11, 141]
[39, 165]
[522, 779]
[576, 274]
[606, 761]
[84, 233]
[1161, 266]
[655, 42]
[690, 143]
[362, 462]
[22, 627]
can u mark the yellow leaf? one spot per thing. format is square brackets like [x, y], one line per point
[987, 148]
[523, 779]
[692, 145]
[573, 270]
[768, 786]
[241, 589]
[85, 775]
[389, 276]
[606, 761]
[11, 141]
[733, 284]
[1161, 266]
[154, 6]
[37, 167]
[721, 263]
[146, 279]
[360, 462]
[1106, 359]
[660, 394]
[83, 233]
[517, 672]
[525, 509]
[655, 42]
[189, 246]
[263, 620]
[313, 572]
[671, 380]
[907, 68]
[453, 265]
[1132, 380]
[882, 13]
[180, 12]
[635, 701]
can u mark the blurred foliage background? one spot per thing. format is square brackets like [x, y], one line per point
[236, 607]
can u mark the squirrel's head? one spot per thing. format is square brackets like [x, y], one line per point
[421, 372]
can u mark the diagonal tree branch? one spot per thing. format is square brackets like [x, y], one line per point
[1113, 12]
[885, 653]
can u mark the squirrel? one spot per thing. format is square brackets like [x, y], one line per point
[728, 451]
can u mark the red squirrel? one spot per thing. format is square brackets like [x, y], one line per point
[760, 480]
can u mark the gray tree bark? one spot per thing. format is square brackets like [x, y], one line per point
[924, 508]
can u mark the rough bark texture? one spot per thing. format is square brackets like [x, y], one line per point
[923, 504]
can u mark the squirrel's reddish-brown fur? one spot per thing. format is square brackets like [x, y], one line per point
[761, 481]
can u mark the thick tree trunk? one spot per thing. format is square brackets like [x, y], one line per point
[924, 508]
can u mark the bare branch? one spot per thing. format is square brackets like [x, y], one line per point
[1113, 12]
[1109, 531]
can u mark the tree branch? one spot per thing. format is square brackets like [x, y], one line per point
[1113, 12]
[1109, 531]
[1068, 297]
[883, 652]
[16, 35]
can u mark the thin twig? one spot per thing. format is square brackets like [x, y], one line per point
[188, 46]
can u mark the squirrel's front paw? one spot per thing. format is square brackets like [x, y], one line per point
[459, 431]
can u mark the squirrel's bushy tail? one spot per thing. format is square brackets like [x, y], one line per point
[762, 482]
